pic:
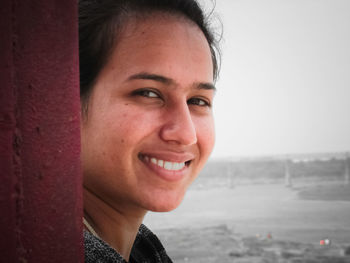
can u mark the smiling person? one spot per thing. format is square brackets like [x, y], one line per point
[147, 71]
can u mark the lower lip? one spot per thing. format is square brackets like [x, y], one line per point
[168, 175]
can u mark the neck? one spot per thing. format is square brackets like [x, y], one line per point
[116, 225]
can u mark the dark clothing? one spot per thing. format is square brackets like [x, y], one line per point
[146, 249]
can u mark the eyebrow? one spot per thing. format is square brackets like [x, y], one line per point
[155, 77]
[168, 81]
[207, 86]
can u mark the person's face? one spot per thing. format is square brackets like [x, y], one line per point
[149, 127]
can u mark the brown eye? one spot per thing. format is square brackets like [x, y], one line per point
[198, 102]
[146, 93]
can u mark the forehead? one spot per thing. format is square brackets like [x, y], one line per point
[148, 25]
[160, 43]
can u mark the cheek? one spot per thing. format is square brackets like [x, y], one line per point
[131, 124]
[205, 135]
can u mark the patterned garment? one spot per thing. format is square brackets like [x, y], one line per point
[146, 249]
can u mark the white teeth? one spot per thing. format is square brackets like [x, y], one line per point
[168, 165]
[172, 166]
[180, 166]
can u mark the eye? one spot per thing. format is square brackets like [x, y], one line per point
[199, 102]
[147, 93]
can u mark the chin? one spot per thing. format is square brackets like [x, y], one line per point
[165, 201]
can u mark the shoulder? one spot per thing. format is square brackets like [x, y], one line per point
[148, 248]
[96, 250]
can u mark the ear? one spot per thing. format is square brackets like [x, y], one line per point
[84, 109]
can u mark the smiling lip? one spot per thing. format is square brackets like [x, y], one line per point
[171, 169]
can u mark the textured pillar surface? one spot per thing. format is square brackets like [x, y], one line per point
[40, 189]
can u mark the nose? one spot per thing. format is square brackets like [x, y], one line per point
[179, 127]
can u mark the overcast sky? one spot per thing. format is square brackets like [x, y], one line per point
[285, 79]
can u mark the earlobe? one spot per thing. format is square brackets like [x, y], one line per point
[83, 112]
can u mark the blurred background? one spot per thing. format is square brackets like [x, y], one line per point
[276, 188]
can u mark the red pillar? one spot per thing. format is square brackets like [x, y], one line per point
[40, 187]
[7, 126]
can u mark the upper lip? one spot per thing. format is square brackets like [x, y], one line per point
[170, 156]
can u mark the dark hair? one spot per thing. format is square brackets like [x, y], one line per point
[100, 21]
